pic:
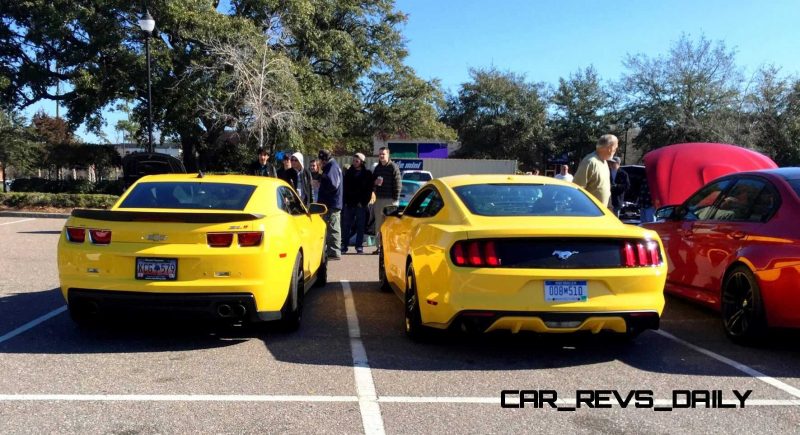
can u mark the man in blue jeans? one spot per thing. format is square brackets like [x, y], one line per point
[357, 195]
[330, 194]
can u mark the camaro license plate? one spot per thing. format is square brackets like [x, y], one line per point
[157, 269]
[566, 291]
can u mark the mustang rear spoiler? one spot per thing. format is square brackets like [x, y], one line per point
[158, 216]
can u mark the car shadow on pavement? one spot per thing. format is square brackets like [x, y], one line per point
[44, 232]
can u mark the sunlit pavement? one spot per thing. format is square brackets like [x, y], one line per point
[350, 369]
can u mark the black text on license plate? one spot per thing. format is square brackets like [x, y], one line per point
[157, 269]
[566, 291]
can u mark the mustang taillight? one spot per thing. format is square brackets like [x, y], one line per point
[640, 254]
[475, 254]
[219, 240]
[250, 238]
[100, 237]
[76, 235]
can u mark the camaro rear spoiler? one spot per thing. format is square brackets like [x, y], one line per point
[159, 216]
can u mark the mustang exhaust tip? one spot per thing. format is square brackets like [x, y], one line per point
[239, 310]
[224, 310]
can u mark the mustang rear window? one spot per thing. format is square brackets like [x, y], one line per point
[193, 195]
[526, 200]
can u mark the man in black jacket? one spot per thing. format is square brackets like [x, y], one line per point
[330, 194]
[620, 182]
[261, 166]
[301, 179]
[388, 185]
[357, 195]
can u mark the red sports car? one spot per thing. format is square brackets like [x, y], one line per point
[734, 245]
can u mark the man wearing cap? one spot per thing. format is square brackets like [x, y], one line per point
[357, 195]
[620, 183]
[330, 194]
[593, 174]
[285, 172]
[261, 167]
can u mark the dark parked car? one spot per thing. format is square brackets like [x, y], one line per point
[137, 165]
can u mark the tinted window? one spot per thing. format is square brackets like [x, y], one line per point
[417, 176]
[409, 189]
[289, 202]
[736, 204]
[426, 204]
[700, 206]
[765, 204]
[189, 195]
[526, 200]
[795, 185]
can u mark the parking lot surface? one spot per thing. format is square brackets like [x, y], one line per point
[350, 369]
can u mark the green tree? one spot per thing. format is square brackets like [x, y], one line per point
[17, 150]
[775, 116]
[692, 94]
[583, 110]
[499, 115]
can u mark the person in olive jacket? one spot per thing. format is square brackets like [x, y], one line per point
[357, 196]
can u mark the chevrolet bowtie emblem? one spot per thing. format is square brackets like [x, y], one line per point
[564, 255]
[156, 237]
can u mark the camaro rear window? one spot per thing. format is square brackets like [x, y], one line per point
[205, 196]
[526, 200]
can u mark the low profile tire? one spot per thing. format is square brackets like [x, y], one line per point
[322, 272]
[742, 306]
[382, 280]
[292, 317]
[413, 317]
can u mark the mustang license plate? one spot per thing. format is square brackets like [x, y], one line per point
[157, 269]
[566, 291]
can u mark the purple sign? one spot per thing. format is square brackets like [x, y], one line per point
[432, 150]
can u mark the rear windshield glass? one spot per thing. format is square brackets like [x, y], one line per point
[206, 196]
[526, 200]
[417, 176]
[795, 185]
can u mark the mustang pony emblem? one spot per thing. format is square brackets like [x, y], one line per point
[156, 237]
[564, 255]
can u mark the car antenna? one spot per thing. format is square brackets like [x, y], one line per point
[199, 174]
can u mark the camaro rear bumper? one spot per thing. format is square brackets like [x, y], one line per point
[202, 306]
[556, 322]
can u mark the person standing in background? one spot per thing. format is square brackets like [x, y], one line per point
[387, 186]
[330, 194]
[316, 173]
[620, 182]
[357, 196]
[564, 174]
[593, 173]
[261, 167]
[302, 179]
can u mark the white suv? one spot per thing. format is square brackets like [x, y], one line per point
[423, 176]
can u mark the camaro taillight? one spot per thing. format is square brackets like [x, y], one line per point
[641, 254]
[250, 238]
[219, 240]
[76, 235]
[100, 237]
[475, 254]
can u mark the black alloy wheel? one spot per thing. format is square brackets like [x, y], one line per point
[292, 317]
[413, 317]
[742, 307]
[383, 281]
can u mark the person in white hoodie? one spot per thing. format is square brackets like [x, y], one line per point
[301, 179]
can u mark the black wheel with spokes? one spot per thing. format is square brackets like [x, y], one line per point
[292, 313]
[742, 307]
[413, 317]
[384, 283]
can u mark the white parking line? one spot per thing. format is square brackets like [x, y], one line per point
[16, 222]
[33, 323]
[737, 365]
[365, 387]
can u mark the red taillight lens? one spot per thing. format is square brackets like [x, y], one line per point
[219, 240]
[641, 254]
[100, 237]
[458, 254]
[628, 257]
[474, 254]
[491, 254]
[76, 235]
[250, 239]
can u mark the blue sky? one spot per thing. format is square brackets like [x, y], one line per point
[548, 39]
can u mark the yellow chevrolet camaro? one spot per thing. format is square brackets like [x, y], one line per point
[498, 252]
[228, 247]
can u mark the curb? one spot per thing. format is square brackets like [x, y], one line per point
[33, 214]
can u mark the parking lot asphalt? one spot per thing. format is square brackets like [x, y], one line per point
[350, 369]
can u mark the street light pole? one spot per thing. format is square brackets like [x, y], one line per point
[147, 24]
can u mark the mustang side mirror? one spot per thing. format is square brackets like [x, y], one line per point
[393, 210]
[317, 208]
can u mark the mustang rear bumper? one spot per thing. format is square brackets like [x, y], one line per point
[556, 322]
[209, 306]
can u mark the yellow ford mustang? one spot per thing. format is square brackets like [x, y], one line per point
[229, 247]
[498, 252]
